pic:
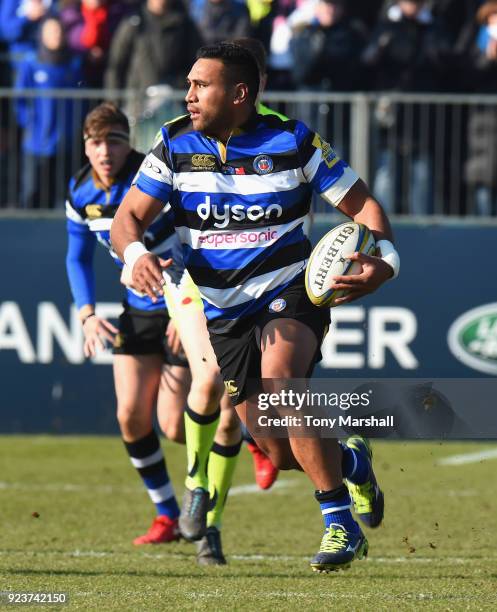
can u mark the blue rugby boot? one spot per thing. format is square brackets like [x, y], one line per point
[338, 549]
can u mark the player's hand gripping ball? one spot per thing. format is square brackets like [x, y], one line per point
[329, 259]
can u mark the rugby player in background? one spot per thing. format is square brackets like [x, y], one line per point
[226, 170]
[148, 375]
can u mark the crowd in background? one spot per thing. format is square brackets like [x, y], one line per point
[312, 45]
[337, 45]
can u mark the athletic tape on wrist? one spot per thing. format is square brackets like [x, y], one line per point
[132, 252]
[389, 256]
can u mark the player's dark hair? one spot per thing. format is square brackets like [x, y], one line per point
[102, 118]
[240, 65]
[256, 48]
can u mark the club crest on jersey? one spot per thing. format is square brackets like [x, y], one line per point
[277, 305]
[263, 164]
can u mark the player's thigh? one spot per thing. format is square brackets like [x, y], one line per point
[192, 327]
[288, 349]
[186, 310]
[207, 385]
[172, 399]
[137, 380]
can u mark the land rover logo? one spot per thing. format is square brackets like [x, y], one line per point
[472, 338]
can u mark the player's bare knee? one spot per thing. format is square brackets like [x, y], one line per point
[173, 431]
[131, 421]
[174, 428]
[206, 392]
[229, 423]
[126, 413]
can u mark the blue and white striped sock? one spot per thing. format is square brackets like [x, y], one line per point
[335, 508]
[147, 457]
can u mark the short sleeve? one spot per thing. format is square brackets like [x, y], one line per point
[155, 176]
[328, 175]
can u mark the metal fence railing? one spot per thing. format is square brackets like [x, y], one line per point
[421, 154]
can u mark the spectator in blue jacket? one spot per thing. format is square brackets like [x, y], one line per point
[19, 25]
[48, 122]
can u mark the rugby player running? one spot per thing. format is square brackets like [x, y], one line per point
[266, 473]
[227, 170]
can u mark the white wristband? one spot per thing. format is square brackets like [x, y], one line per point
[389, 255]
[132, 252]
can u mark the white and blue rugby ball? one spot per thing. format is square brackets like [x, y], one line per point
[329, 259]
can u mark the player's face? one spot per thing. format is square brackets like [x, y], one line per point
[210, 98]
[107, 155]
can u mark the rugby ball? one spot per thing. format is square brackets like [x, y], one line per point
[329, 259]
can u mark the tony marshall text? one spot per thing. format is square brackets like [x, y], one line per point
[330, 422]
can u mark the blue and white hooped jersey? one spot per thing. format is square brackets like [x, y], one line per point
[90, 209]
[239, 209]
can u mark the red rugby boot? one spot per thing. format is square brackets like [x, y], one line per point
[162, 530]
[265, 472]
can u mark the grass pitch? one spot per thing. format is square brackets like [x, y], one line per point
[437, 549]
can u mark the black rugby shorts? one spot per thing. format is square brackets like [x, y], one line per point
[143, 332]
[238, 350]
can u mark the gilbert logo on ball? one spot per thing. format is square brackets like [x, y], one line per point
[329, 259]
[472, 338]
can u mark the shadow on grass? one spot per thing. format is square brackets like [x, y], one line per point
[226, 574]
[207, 573]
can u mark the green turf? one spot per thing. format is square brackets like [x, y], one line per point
[437, 549]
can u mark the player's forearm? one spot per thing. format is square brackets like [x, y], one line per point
[362, 207]
[126, 228]
[86, 311]
[373, 216]
[135, 213]
[79, 267]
